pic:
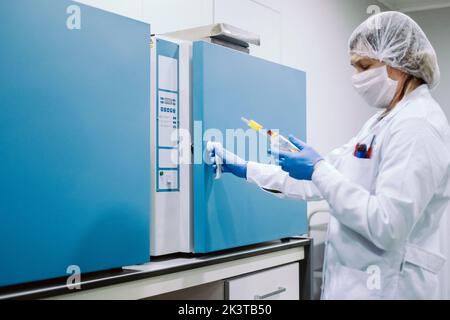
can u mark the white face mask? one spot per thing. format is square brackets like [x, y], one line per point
[375, 86]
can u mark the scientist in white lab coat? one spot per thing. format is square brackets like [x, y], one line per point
[389, 187]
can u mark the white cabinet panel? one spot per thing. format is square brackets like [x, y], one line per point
[128, 8]
[173, 15]
[282, 283]
[255, 17]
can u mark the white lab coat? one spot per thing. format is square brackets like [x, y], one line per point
[383, 240]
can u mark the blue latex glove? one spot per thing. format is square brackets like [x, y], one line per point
[230, 162]
[299, 165]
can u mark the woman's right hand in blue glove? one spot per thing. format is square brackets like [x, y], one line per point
[230, 162]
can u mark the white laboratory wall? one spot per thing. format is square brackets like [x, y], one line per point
[172, 15]
[435, 25]
[163, 15]
[128, 8]
[256, 17]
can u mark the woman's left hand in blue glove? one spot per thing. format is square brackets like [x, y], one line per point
[299, 165]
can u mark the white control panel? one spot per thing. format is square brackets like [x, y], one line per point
[168, 153]
[171, 216]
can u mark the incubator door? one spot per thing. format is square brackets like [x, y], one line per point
[228, 85]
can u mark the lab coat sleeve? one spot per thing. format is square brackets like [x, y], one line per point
[410, 172]
[274, 180]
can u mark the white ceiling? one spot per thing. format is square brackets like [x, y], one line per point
[415, 5]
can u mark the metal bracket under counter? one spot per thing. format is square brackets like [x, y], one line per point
[174, 273]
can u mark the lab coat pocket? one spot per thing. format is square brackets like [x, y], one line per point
[424, 259]
[351, 284]
[359, 171]
[420, 274]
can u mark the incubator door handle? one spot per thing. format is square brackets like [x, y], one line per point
[266, 296]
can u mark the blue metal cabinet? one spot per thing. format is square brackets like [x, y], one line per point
[74, 140]
[228, 85]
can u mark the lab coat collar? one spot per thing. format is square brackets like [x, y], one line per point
[419, 91]
[378, 123]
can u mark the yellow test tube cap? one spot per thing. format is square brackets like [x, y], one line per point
[253, 124]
